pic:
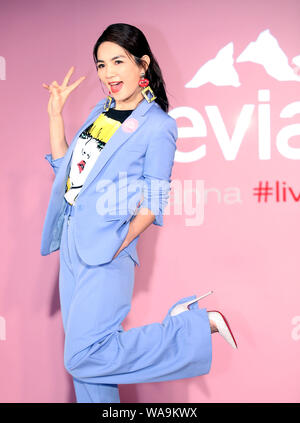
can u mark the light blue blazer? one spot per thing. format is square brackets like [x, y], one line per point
[132, 171]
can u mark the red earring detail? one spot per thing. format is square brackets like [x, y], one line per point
[144, 82]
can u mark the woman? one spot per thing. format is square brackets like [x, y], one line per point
[111, 183]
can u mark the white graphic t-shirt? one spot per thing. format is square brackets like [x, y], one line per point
[88, 147]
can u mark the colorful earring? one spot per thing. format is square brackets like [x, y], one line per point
[107, 103]
[147, 91]
[144, 82]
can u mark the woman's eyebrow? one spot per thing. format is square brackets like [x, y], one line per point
[114, 58]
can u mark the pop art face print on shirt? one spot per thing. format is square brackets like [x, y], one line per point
[88, 147]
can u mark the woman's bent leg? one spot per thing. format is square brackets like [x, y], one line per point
[99, 351]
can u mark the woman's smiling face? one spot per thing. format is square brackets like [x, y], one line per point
[120, 74]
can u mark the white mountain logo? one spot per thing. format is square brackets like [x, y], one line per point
[265, 51]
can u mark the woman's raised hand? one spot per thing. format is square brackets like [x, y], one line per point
[60, 93]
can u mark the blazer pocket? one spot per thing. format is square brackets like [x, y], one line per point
[121, 217]
[108, 217]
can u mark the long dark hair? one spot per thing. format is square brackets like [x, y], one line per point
[134, 42]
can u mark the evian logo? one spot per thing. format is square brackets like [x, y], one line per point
[221, 72]
[265, 51]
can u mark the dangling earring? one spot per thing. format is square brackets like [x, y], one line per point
[147, 91]
[107, 103]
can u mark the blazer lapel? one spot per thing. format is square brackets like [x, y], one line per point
[117, 139]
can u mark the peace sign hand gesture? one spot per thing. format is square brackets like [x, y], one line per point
[60, 93]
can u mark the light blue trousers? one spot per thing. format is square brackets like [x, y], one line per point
[98, 352]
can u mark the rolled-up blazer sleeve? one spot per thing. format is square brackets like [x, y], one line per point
[158, 166]
[54, 163]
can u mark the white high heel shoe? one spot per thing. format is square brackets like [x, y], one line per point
[184, 306]
[223, 327]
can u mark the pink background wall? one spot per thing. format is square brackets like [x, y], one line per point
[246, 251]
